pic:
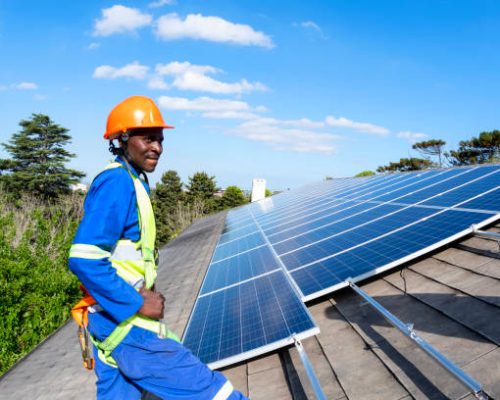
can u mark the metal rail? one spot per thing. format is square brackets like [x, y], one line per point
[487, 235]
[318, 391]
[407, 330]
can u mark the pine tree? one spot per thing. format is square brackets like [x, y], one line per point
[168, 196]
[406, 164]
[433, 148]
[38, 158]
[201, 188]
[479, 150]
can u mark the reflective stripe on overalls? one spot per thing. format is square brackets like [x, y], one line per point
[135, 263]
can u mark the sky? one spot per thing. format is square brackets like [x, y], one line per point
[289, 91]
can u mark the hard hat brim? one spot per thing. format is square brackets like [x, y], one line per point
[114, 135]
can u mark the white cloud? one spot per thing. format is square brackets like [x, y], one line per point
[213, 29]
[310, 25]
[202, 104]
[304, 123]
[412, 137]
[358, 126]
[194, 77]
[93, 46]
[26, 86]
[223, 114]
[298, 135]
[157, 83]
[161, 3]
[203, 83]
[283, 136]
[176, 68]
[133, 71]
[120, 19]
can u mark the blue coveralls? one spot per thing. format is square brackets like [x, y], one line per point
[145, 362]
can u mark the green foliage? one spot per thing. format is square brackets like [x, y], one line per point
[268, 193]
[36, 287]
[406, 164]
[201, 188]
[432, 148]
[167, 197]
[233, 197]
[364, 173]
[38, 159]
[479, 150]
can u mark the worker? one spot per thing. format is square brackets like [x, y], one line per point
[113, 255]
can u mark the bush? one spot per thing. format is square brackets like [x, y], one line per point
[37, 289]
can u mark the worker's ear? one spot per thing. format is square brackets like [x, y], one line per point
[123, 139]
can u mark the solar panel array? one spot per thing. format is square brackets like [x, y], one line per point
[276, 254]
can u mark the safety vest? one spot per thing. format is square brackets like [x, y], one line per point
[135, 263]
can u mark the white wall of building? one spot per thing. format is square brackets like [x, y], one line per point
[258, 189]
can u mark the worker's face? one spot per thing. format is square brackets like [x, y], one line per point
[144, 148]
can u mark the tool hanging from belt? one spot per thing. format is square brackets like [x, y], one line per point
[80, 314]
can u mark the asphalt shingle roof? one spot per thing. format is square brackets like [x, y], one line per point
[452, 297]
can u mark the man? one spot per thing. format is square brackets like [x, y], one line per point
[113, 255]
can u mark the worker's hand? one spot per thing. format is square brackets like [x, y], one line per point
[154, 304]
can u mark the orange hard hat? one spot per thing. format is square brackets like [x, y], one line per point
[132, 113]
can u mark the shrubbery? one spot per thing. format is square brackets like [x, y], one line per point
[36, 286]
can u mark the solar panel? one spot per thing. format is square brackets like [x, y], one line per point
[247, 319]
[316, 238]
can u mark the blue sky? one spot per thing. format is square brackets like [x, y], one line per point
[289, 91]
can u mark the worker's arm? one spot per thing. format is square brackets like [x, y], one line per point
[110, 212]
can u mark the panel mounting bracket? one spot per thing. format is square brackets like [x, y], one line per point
[407, 329]
[486, 235]
[313, 379]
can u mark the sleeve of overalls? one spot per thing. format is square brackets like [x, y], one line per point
[107, 212]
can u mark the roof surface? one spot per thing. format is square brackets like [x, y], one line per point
[452, 297]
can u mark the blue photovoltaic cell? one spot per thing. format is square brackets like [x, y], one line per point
[438, 189]
[435, 178]
[330, 225]
[237, 233]
[382, 251]
[468, 190]
[490, 201]
[245, 243]
[239, 268]
[315, 219]
[308, 207]
[245, 317]
[230, 226]
[413, 182]
[353, 237]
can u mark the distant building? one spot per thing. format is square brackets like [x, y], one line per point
[219, 193]
[79, 187]
[258, 189]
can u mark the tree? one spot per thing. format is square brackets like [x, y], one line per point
[406, 164]
[268, 193]
[201, 187]
[482, 149]
[233, 197]
[38, 159]
[364, 173]
[167, 197]
[432, 148]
